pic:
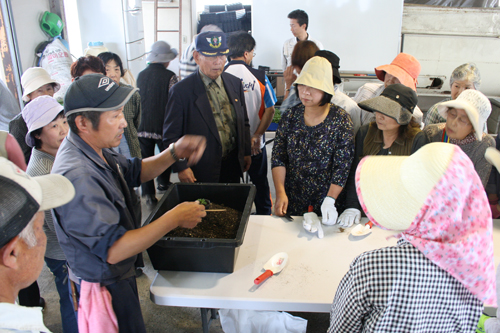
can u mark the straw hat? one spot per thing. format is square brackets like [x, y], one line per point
[317, 73]
[405, 67]
[476, 105]
[34, 78]
[393, 189]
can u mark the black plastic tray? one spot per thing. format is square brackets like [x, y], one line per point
[201, 254]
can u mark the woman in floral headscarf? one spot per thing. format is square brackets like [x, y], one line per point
[440, 273]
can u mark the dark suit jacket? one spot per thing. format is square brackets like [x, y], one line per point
[189, 112]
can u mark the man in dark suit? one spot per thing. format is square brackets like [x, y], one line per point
[210, 103]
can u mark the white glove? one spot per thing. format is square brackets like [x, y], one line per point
[349, 216]
[329, 211]
[312, 224]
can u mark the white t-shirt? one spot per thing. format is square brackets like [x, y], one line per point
[286, 58]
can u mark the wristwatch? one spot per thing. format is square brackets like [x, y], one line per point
[171, 148]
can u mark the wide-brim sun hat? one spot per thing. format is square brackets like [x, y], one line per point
[23, 196]
[34, 78]
[161, 52]
[393, 189]
[405, 67]
[397, 101]
[95, 92]
[317, 73]
[38, 113]
[475, 104]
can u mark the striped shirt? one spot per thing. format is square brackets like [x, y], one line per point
[187, 65]
[41, 164]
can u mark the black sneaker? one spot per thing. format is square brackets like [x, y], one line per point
[163, 188]
[150, 199]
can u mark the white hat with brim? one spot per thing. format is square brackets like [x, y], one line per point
[23, 196]
[34, 78]
[38, 113]
[475, 104]
[317, 73]
[393, 189]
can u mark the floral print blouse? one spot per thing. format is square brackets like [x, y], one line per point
[314, 156]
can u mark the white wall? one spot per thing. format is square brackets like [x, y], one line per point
[27, 14]
[168, 19]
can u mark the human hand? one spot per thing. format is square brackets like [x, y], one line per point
[289, 76]
[191, 147]
[281, 205]
[255, 142]
[349, 216]
[188, 214]
[186, 176]
[248, 162]
[329, 211]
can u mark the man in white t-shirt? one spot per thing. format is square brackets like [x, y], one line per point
[299, 22]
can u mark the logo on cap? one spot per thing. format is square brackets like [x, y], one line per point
[103, 82]
[215, 42]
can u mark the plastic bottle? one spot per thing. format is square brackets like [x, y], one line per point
[94, 48]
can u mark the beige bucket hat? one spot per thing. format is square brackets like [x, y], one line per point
[317, 73]
[34, 78]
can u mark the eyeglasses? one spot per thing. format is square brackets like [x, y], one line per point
[452, 114]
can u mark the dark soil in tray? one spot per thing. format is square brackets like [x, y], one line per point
[215, 225]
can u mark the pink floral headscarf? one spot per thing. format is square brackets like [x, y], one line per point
[454, 227]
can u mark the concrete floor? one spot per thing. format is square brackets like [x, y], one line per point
[162, 318]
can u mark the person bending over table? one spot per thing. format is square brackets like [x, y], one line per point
[394, 132]
[465, 76]
[465, 119]
[441, 271]
[314, 147]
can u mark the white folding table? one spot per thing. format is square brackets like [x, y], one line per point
[307, 284]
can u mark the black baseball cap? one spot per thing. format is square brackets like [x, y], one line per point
[95, 92]
[212, 44]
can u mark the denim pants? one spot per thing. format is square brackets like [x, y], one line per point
[60, 271]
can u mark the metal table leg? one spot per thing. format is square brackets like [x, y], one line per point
[205, 321]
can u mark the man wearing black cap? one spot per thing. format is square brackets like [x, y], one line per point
[210, 103]
[22, 240]
[97, 230]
